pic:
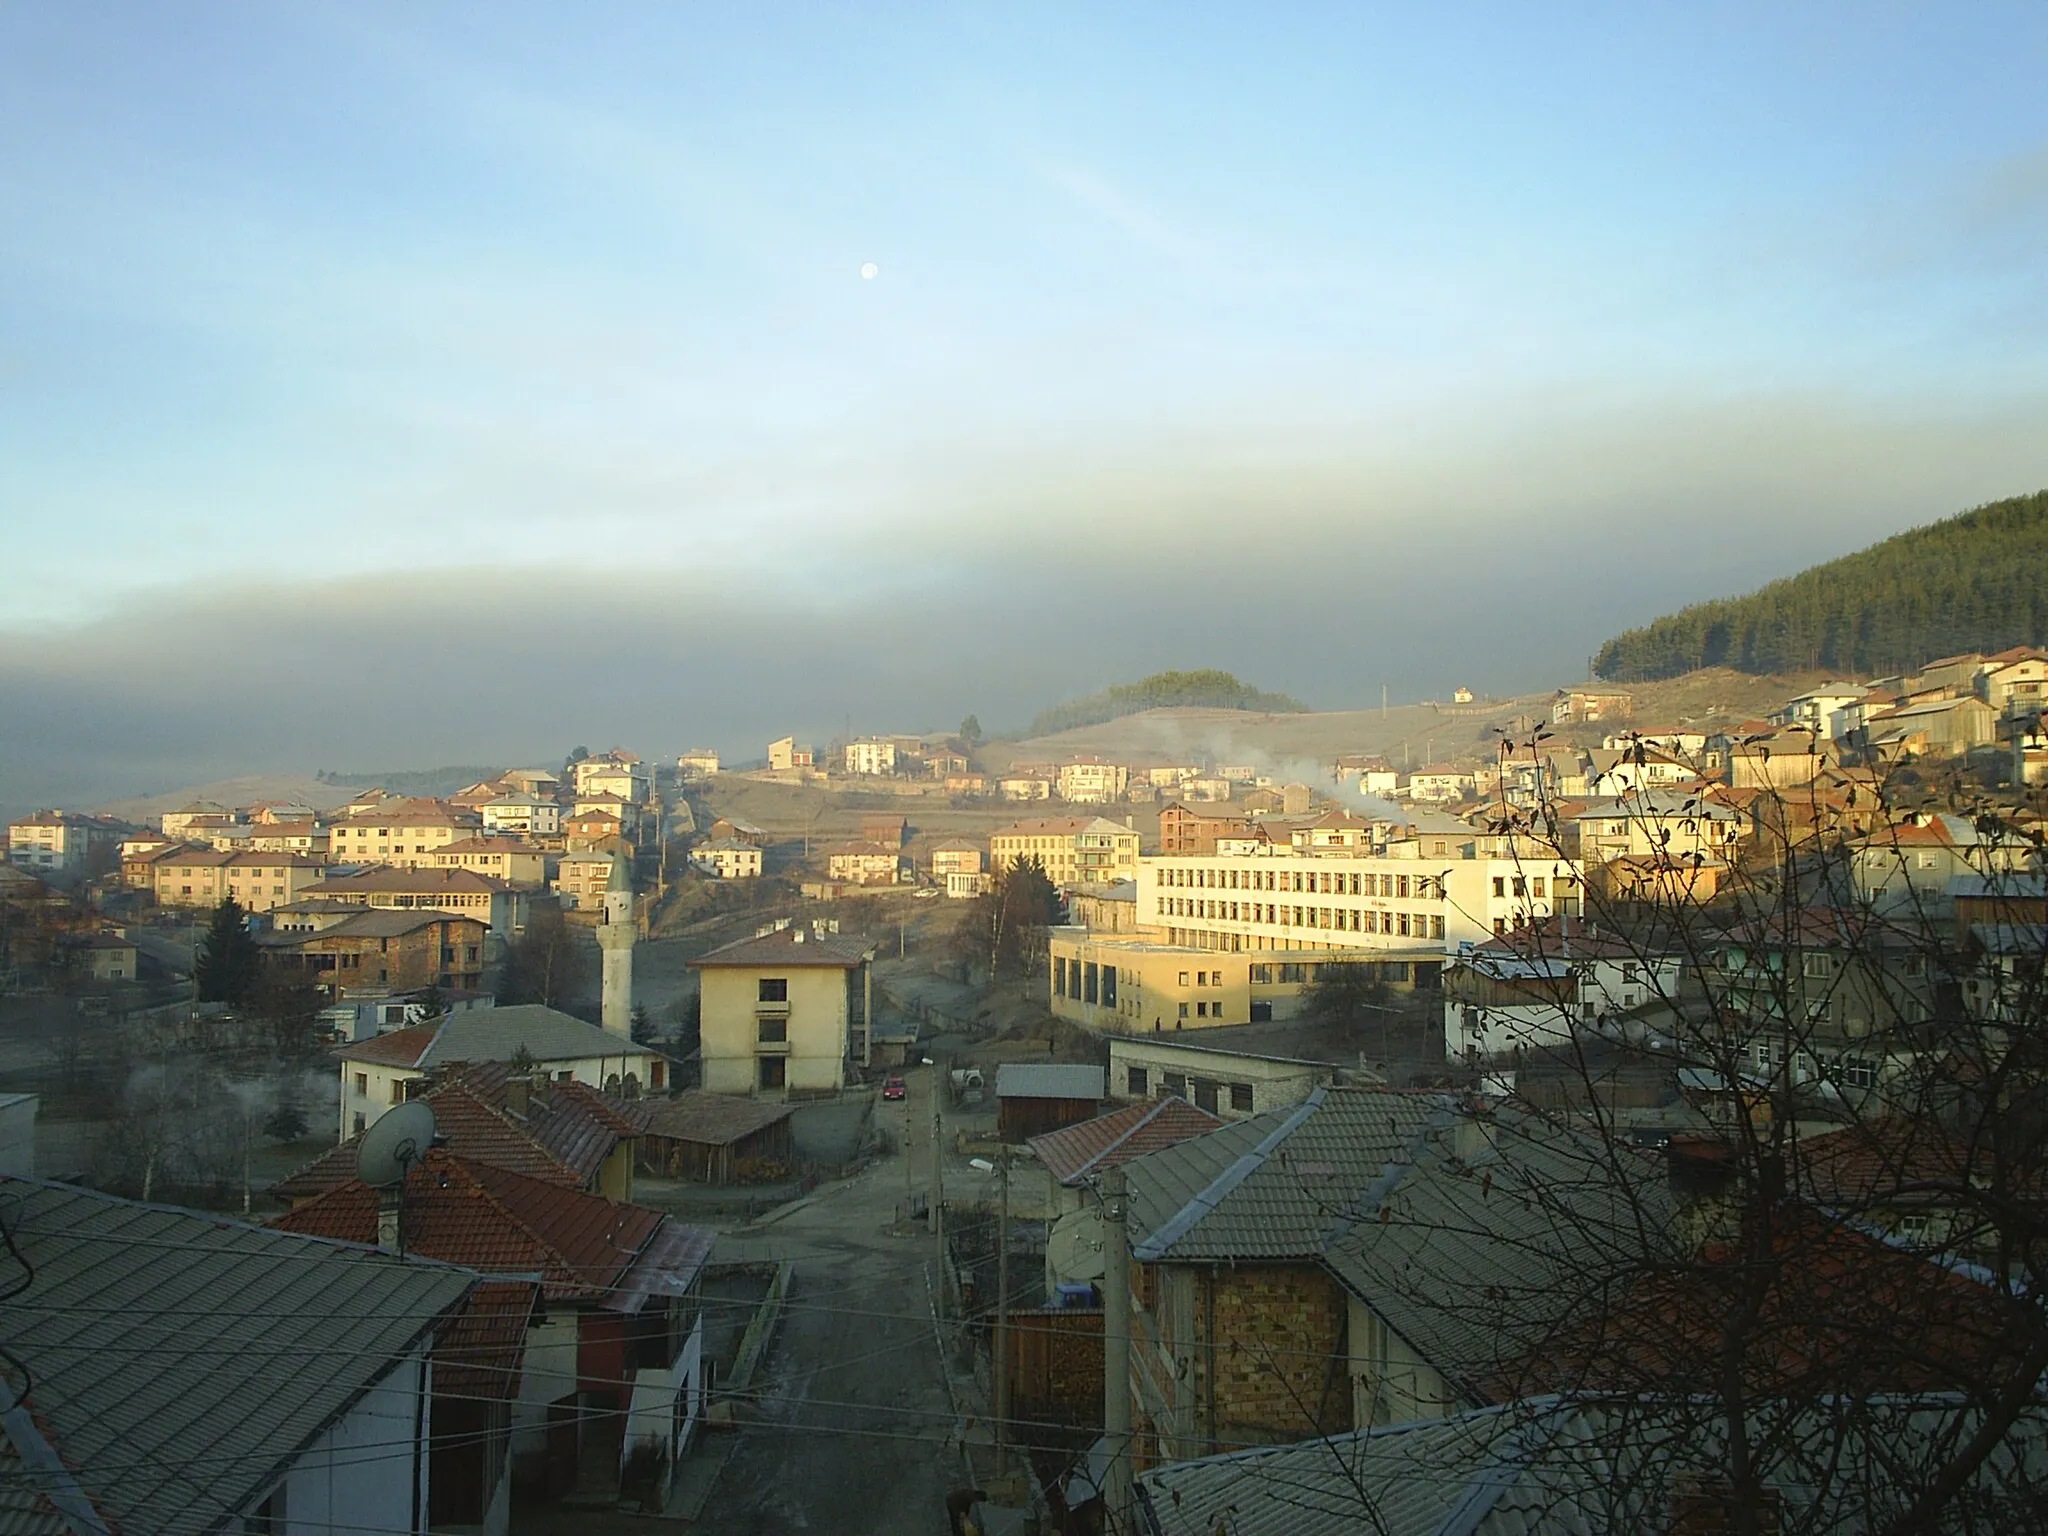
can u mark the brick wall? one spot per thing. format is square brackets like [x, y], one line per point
[1278, 1356]
[1265, 1362]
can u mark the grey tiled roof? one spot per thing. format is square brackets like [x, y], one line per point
[180, 1361]
[1277, 1185]
[498, 1034]
[1526, 1224]
[1419, 1479]
[1553, 1467]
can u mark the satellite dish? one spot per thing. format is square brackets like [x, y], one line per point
[399, 1139]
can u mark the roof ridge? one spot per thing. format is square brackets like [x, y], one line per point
[1391, 1174]
[1137, 1125]
[1182, 1221]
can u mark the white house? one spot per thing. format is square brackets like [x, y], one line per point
[727, 858]
[523, 815]
[377, 1073]
[871, 756]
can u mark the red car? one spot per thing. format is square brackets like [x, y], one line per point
[893, 1087]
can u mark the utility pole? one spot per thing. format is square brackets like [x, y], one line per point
[1002, 1334]
[1116, 1351]
[938, 1205]
[1383, 701]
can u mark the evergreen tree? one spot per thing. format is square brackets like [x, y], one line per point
[1974, 582]
[228, 961]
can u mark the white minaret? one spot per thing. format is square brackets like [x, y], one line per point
[615, 936]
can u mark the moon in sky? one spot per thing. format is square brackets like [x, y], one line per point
[869, 270]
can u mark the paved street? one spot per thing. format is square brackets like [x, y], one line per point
[854, 1429]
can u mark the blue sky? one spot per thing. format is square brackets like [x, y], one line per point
[1230, 299]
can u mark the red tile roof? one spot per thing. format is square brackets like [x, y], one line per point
[471, 1126]
[498, 1222]
[1076, 1151]
[479, 1353]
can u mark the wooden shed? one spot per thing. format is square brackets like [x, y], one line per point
[715, 1138]
[1033, 1098]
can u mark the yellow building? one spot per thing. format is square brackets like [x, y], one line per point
[1126, 984]
[408, 832]
[203, 877]
[785, 1011]
[1075, 850]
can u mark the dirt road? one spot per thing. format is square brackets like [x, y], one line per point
[854, 1429]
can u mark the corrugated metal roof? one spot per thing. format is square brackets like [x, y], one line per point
[181, 1360]
[1048, 1080]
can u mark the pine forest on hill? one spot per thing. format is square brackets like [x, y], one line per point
[1974, 582]
[1204, 688]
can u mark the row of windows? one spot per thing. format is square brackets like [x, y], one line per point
[1308, 882]
[1206, 1095]
[1416, 925]
[1849, 1071]
[1084, 981]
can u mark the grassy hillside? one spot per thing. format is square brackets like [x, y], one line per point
[1974, 582]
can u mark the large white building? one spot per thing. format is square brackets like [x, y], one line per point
[50, 842]
[872, 757]
[1438, 891]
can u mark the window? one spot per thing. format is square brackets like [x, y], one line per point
[1183, 978]
[397, 1090]
[1241, 1098]
[774, 989]
[1175, 1084]
[359, 1122]
[772, 1031]
[769, 1070]
[1136, 1082]
[362, 1085]
[1500, 886]
[1183, 1010]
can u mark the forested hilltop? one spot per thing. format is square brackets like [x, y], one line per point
[1204, 688]
[1974, 582]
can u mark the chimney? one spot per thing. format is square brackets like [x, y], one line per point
[390, 1207]
[1472, 1135]
[518, 1095]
